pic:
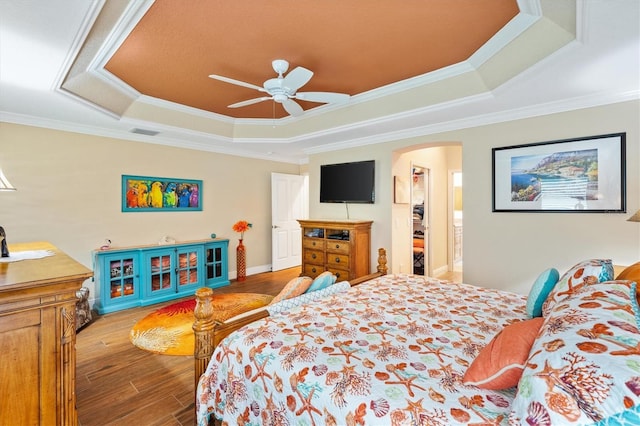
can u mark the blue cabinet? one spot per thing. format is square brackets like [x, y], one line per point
[139, 276]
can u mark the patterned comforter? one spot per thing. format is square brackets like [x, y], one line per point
[391, 351]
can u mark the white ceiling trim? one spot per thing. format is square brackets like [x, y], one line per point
[135, 12]
[233, 148]
[484, 119]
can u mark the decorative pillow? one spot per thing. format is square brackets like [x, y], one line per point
[541, 288]
[323, 280]
[294, 288]
[585, 365]
[305, 298]
[577, 278]
[631, 273]
[499, 365]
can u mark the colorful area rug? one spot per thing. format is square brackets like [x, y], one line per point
[168, 330]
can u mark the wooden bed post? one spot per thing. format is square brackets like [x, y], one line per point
[382, 261]
[203, 330]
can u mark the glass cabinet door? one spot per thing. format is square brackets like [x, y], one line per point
[121, 278]
[215, 263]
[188, 273]
[160, 276]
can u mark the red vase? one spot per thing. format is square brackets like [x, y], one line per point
[241, 261]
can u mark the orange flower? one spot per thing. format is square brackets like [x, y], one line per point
[241, 226]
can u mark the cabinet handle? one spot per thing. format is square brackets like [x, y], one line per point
[337, 260]
[313, 243]
[313, 270]
[337, 245]
[337, 275]
[313, 256]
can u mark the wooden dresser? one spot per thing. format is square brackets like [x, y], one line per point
[340, 246]
[38, 337]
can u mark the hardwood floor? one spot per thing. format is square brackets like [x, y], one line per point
[119, 384]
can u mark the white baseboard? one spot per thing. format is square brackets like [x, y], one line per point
[251, 271]
[441, 270]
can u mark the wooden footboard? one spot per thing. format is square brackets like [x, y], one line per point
[208, 333]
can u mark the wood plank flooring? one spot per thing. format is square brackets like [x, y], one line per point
[119, 384]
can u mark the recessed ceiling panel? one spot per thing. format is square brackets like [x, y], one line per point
[350, 48]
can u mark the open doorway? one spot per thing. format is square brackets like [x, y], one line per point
[456, 221]
[420, 209]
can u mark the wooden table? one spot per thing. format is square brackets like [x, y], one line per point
[38, 337]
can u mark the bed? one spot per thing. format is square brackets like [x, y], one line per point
[405, 349]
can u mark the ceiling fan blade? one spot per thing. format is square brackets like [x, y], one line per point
[325, 97]
[236, 82]
[292, 107]
[249, 102]
[297, 78]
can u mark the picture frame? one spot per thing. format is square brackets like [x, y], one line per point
[580, 175]
[156, 194]
[400, 190]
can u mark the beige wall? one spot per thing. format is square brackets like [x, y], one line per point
[508, 250]
[69, 193]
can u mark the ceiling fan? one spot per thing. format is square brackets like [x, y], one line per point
[282, 89]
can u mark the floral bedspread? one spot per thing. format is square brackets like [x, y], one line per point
[391, 351]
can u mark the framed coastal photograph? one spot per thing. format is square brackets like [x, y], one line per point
[153, 194]
[585, 174]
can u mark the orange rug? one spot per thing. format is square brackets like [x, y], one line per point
[168, 330]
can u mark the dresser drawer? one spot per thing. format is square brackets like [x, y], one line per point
[336, 260]
[312, 270]
[341, 274]
[313, 243]
[313, 256]
[338, 246]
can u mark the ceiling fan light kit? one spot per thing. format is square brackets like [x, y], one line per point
[282, 89]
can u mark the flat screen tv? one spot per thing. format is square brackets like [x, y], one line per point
[348, 182]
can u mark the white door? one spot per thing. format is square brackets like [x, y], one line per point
[289, 202]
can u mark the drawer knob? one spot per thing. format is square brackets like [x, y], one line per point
[313, 270]
[313, 243]
[313, 256]
[337, 245]
[337, 260]
[337, 275]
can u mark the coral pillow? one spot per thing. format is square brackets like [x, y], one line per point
[294, 288]
[631, 273]
[541, 288]
[323, 280]
[499, 364]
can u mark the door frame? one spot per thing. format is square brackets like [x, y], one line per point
[427, 211]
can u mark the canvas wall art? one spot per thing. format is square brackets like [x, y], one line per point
[152, 194]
